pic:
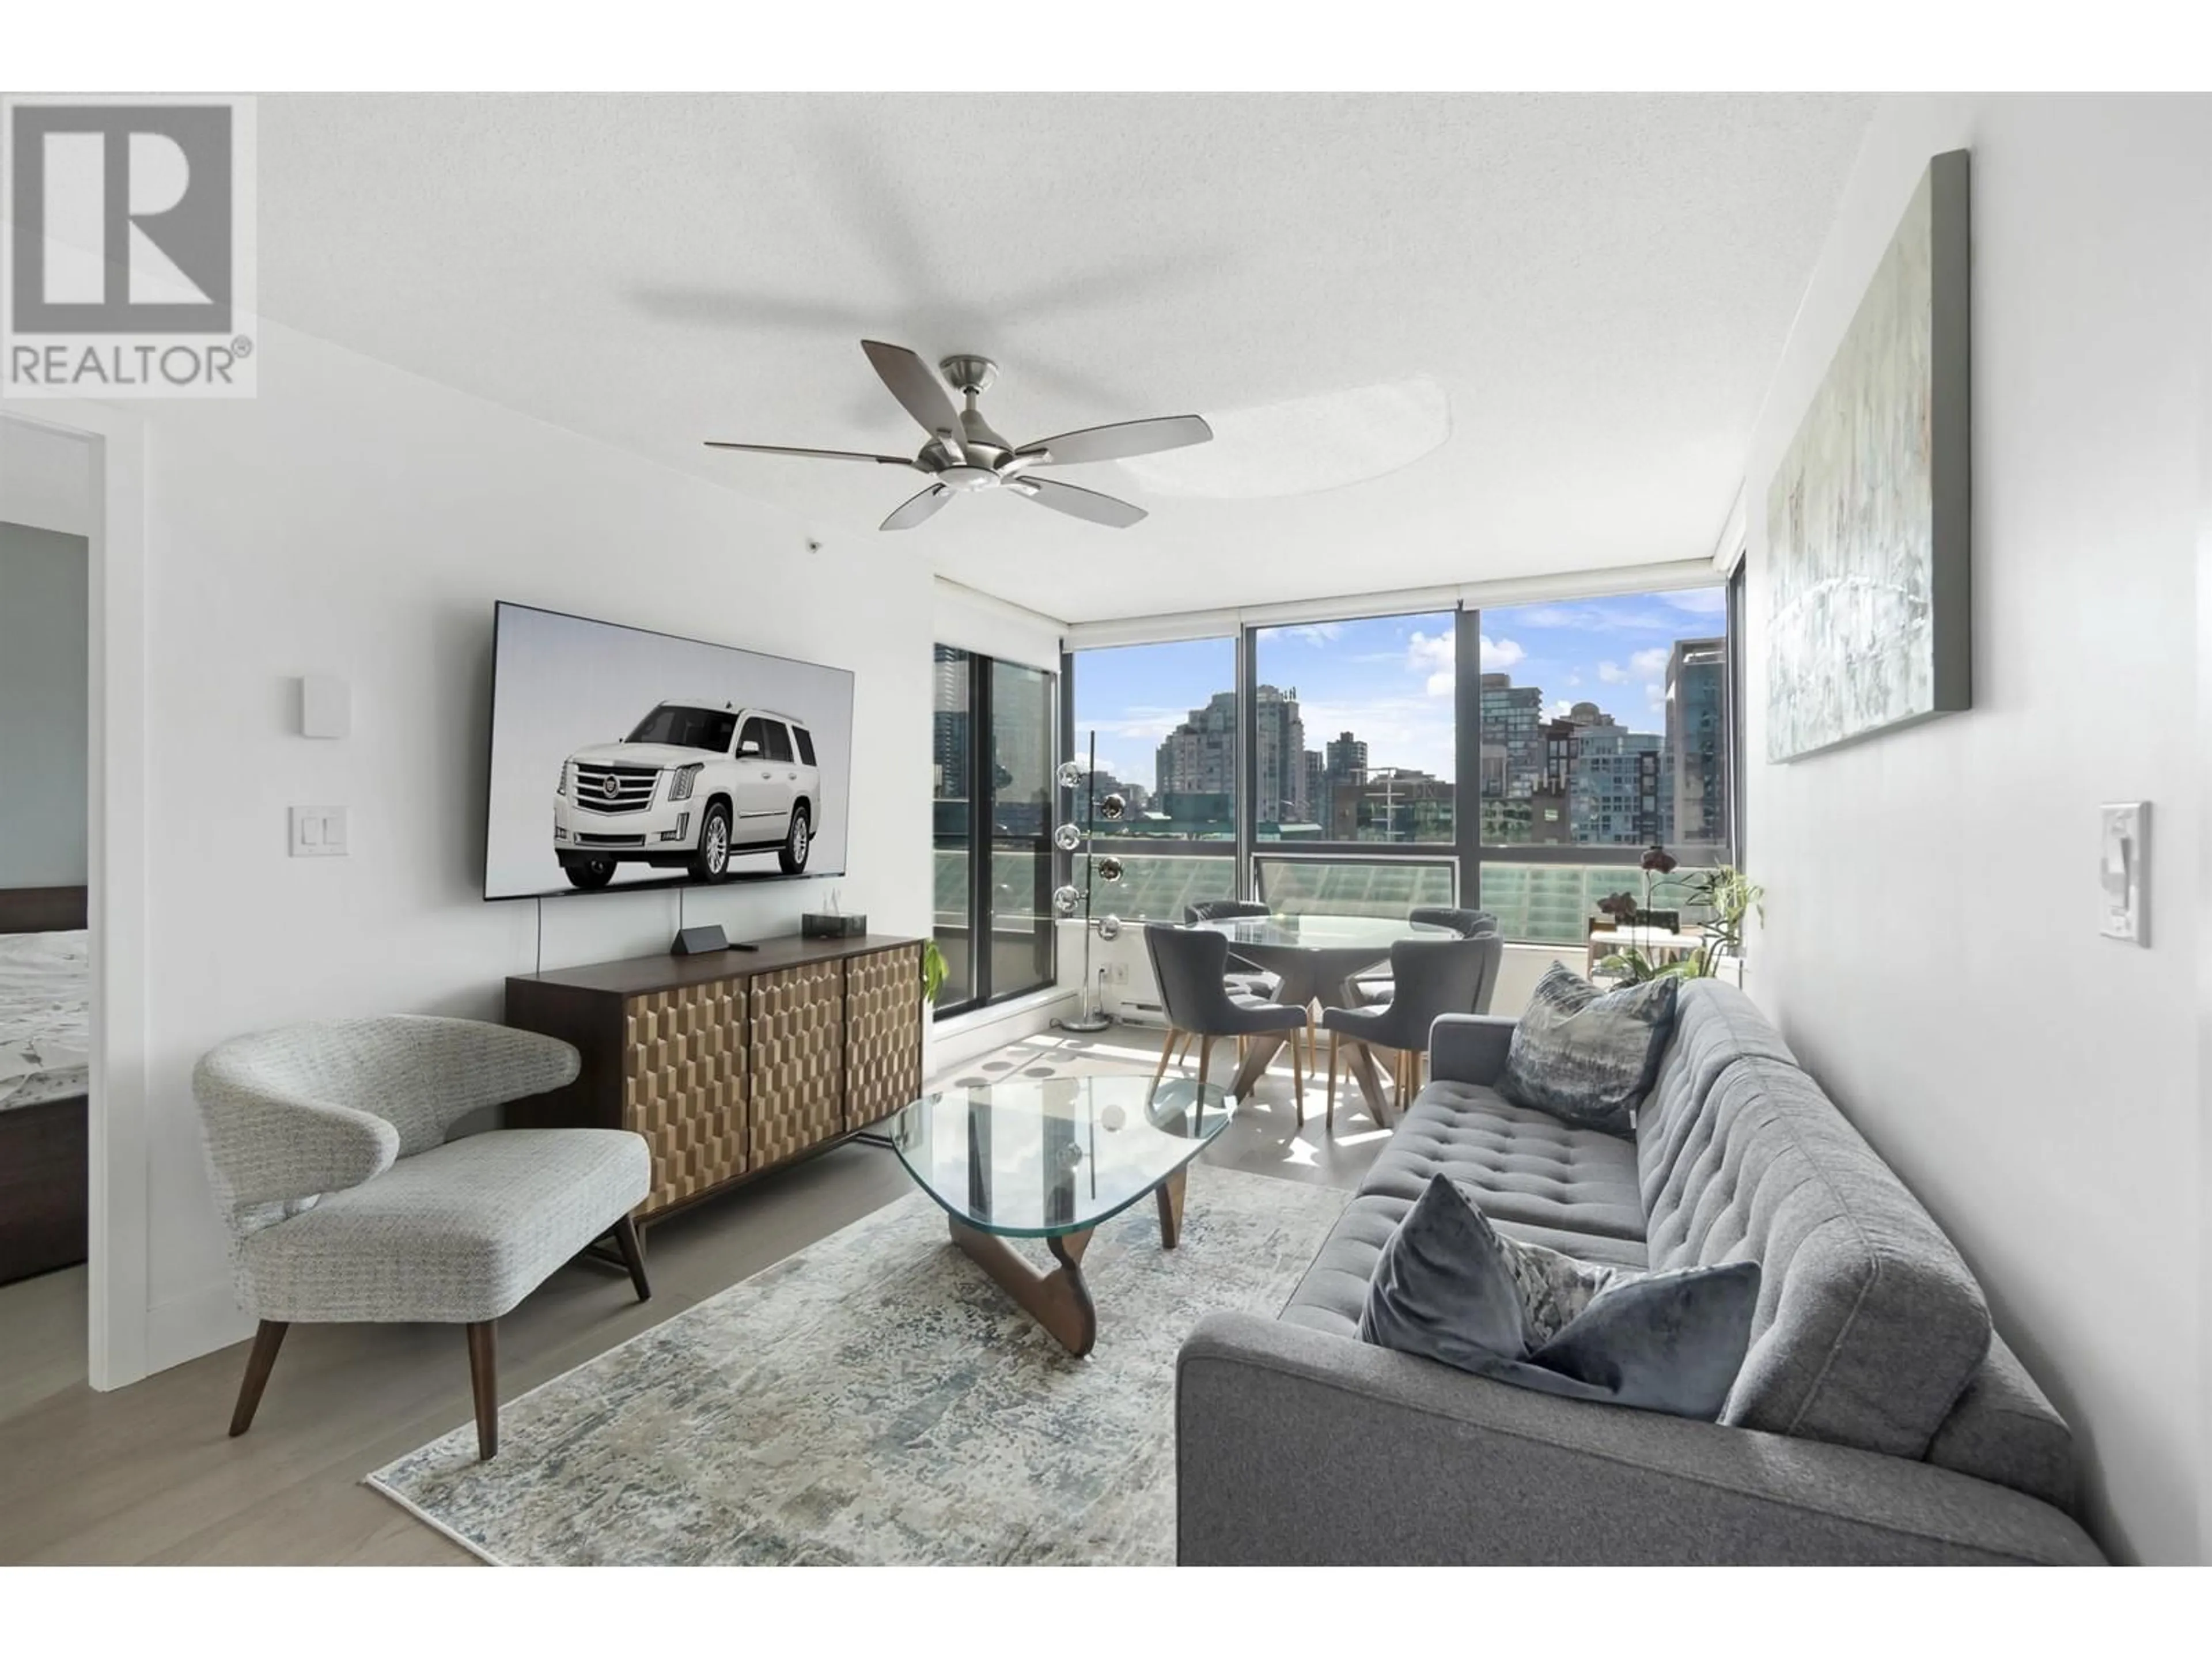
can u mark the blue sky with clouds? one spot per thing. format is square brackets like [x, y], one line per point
[1389, 679]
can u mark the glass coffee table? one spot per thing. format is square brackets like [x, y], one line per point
[1051, 1159]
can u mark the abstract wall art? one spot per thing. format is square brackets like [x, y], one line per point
[1868, 513]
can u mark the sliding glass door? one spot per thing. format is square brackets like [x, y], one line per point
[953, 761]
[993, 754]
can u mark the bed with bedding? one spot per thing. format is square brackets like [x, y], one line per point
[46, 1043]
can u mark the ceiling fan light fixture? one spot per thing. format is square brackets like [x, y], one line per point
[965, 456]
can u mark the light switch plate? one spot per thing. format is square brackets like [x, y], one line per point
[2124, 871]
[318, 832]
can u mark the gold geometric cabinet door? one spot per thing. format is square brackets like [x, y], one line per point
[683, 1085]
[882, 1038]
[797, 1057]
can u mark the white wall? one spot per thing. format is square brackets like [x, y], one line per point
[45, 478]
[993, 628]
[1932, 948]
[45, 587]
[358, 521]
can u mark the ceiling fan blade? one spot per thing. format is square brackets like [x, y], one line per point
[1079, 503]
[818, 454]
[916, 386]
[916, 508]
[1113, 443]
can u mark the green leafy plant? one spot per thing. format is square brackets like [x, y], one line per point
[1729, 896]
[934, 967]
[1633, 967]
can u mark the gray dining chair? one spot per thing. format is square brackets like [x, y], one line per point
[1431, 978]
[1248, 978]
[1245, 978]
[1376, 986]
[346, 1204]
[1466, 923]
[1189, 963]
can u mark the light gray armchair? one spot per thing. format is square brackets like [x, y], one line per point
[345, 1203]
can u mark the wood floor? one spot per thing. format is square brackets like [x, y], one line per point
[146, 1474]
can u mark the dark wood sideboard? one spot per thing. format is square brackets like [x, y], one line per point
[730, 1062]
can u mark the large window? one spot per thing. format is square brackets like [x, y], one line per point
[1352, 731]
[1519, 758]
[1604, 723]
[1297, 886]
[1164, 719]
[1552, 903]
[992, 753]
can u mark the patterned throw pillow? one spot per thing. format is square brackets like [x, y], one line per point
[1555, 1288]
[1588, 1057]
[1449, 1287]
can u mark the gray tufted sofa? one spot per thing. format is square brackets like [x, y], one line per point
[1877, 1417]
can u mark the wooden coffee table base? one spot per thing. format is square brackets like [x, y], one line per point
[1059, 1300]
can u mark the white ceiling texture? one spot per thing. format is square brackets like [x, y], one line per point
[1443, 339]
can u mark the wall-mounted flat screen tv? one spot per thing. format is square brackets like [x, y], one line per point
[625, 758]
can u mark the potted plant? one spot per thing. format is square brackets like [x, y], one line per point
[1730, 895]
[934, 971]
[1725, 892]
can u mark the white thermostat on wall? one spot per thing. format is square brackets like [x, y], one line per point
[325, 706]
[2123, 869]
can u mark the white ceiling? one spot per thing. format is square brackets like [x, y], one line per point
[1599, 284]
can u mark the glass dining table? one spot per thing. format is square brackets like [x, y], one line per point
[1316, 957]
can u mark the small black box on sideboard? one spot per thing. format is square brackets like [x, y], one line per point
[817, 924]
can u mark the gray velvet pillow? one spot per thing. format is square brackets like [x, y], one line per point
[1443, 1287]
[1662, 1342]
[1589, 1057]
[1451, 1288]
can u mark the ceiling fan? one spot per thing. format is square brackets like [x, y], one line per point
[963, 455]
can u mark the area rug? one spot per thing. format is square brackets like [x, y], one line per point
[875, 1400]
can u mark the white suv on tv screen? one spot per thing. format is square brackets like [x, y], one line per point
[693, 783]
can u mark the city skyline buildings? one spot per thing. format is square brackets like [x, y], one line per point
[1581, 777]
[1609, 688]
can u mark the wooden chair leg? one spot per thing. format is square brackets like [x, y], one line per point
[1298, 1079]
[1205, 1062]
[484, 1378]
[1332, 1083]
[633, 1255]
[266, 1340]
[1184, 1056]
[1167, 1048]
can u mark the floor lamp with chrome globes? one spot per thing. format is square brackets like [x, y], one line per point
[1091, 1015]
